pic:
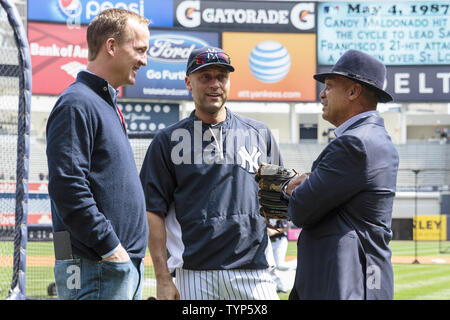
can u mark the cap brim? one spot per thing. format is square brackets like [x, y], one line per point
[225, 65]
[382, 95]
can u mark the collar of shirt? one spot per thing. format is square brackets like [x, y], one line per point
[112, 92]
[340, 130]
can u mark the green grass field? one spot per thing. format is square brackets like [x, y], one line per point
[411, 281]
[414, 281]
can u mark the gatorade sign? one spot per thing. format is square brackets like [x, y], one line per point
[244, 15]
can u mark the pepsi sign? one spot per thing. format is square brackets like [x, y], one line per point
[163, 77]
[76, 12]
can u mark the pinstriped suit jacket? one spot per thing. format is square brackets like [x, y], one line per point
[345, 210]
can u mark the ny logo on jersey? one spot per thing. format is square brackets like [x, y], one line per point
[251, 159]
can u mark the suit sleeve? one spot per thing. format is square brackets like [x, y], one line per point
[336, 177]
[70, 140]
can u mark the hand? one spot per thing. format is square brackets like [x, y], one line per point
[296, 181]
[166, 289]
[272, 232]
[119, 255]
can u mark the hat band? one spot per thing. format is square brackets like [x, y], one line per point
[357, 77]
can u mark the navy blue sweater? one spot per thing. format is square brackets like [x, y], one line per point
[94, 186]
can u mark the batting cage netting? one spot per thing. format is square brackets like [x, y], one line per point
[15, 93]
[140, 143]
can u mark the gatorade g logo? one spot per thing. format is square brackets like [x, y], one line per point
[302, 16]
[188, 14]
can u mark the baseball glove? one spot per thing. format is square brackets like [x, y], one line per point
[271, 179]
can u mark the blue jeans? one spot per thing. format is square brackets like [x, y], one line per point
[81, 278]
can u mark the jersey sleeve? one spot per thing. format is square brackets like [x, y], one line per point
[157, 175]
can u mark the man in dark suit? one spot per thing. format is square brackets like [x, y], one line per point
[344, 205]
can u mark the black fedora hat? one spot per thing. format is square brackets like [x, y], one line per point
[363, 68]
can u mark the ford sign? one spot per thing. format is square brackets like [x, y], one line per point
[172, 47]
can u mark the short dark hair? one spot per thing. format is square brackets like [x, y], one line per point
[370, 95]
[110, 23]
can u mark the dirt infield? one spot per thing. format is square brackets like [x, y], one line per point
[48, 261]
[421, 260]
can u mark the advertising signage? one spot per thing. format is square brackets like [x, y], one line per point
[246, 16]
[57, 55]
[271, 66]
[163, 77]
[413, 84]
[144, 116]
[397, 33]
[76, 12]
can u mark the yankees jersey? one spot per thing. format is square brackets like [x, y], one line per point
[201, 176]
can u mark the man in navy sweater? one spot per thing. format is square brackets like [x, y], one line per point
[97, 201]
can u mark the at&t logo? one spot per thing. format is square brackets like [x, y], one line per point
[269, 61]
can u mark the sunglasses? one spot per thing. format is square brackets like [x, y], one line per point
[208, 57]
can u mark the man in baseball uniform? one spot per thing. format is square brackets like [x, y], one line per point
[202, 198]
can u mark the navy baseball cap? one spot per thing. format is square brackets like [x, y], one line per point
[207, 56]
